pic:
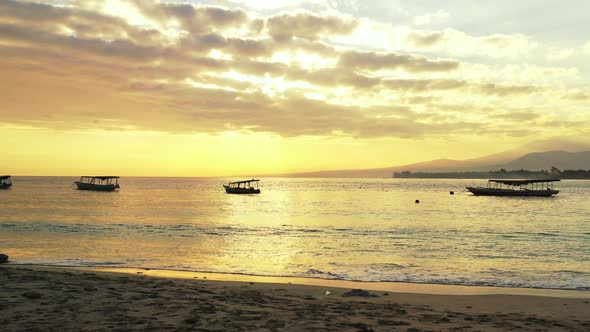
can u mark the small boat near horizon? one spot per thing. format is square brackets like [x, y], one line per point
[522, 188]
[98, 183]
[242, 187]
[5, 182]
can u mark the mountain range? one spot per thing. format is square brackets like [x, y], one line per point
[560, 153]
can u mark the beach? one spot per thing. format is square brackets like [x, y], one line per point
[300, 165]
[74, 299]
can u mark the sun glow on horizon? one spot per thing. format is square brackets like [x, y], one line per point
[171, 88]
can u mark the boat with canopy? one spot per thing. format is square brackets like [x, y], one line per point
[5, 181]
[98, 183]
[532, 187]
[242, 187]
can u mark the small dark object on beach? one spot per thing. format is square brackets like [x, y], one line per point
[392, 322]
[361, 327]
[452, 192]
[417, 201]
[32, 295]
[3, 258]
[359, 292]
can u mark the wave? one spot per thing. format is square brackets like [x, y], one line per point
[356, 248]
[182, 230]
[327, 275]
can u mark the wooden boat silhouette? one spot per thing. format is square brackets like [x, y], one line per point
[5, 182]
[98, 183]
[533, 187]
[242, 187]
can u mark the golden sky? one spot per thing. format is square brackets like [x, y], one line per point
[218, 88]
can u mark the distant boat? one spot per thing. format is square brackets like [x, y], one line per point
[242, 187]
[5, 181]
[534, 187]
[98, 183]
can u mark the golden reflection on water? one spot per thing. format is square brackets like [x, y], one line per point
[328, 228]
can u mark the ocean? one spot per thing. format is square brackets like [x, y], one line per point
[348, 229]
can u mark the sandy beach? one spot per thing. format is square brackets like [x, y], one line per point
[64, 299]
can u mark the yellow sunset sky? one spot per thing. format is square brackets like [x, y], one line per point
[213, 88]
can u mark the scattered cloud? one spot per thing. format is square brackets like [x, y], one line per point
[424, 39]
[188, 68]
[410, 63]
[577, 95]
[280, 4]
[307, 25]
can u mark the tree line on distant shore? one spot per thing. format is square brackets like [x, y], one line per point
[554, 172]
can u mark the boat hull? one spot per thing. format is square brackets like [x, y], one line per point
[5, 185]
[96, 187]
[480, 191]
[241, 190]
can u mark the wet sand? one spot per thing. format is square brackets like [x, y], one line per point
[61, 299]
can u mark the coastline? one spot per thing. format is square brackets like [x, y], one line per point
[50, 298]
[386, 286]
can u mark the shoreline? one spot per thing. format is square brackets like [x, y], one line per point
[73, 299]
[390, 286]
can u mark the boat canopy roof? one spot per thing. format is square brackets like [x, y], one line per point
[523, 182]
[101, 177]
[4, 177]
[245, 181]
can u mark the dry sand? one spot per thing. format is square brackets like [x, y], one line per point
[59, 299]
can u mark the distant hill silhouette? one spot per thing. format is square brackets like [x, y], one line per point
[552, 173]
[544, 160]
[553, 154]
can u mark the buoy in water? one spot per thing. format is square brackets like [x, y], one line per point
[417, 201]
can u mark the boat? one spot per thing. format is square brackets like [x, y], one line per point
[98, 183]
[5, 181]
[242, 187]
[532, 187]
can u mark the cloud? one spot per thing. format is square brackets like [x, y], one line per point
[184, 68]
[194, 18]
[562, 54]
[517, 115]
[453, 42]
[424, 39]
[307, 25]
[507, 89]
[410, 63]
[120, 48]
[236, 46]
[280, 4]
[577, 95]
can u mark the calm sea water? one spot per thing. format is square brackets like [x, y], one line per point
[352, 229]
